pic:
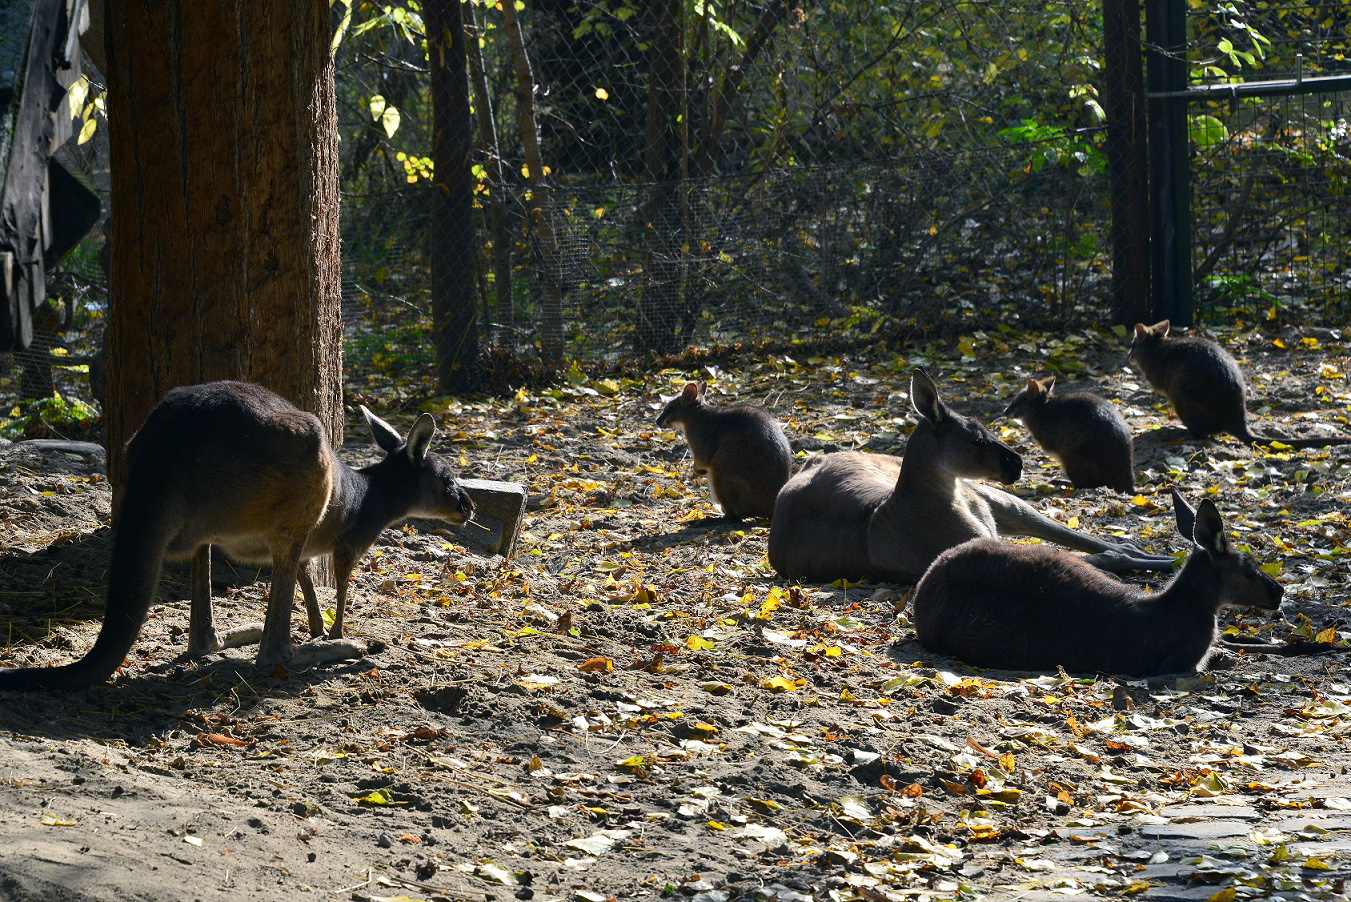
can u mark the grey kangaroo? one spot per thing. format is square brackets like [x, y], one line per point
[1204, 385]
[741, 448]
[1031, 607]
[235, 465]
[850, 514]
[1084, 432]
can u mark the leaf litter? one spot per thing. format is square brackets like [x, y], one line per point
[636, 705]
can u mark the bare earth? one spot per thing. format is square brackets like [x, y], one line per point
[635, 706]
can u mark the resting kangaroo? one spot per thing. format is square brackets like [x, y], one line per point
[1205, 386]
[850, 514]
[235, 465]
[1030, 607]
[1084, 432]
[741, 448]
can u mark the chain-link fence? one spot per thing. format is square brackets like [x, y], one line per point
[767, 175]
[826, 174]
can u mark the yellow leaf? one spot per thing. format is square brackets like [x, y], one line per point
[1006, 762]
[596, 665]
[52, 821]
[602, 94]
[633, 762]
[698, 643]
[782, 684]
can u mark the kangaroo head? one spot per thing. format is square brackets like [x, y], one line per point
[963, 446]
[1240, 582]
[1037, 393]
[1147, 336]
[691, 396]
[425, 483]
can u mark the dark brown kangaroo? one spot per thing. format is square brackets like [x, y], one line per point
[1030, 607]
[1084, 432]
[1204, 385]
[851, 515]
[235, 465]
[741, 448]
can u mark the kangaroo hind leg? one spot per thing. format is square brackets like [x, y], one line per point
[203, 638]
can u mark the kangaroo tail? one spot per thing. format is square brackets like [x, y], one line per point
[138, 555]
[1314, 441]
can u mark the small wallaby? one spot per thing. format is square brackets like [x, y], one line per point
[1031, 607]
[741, 449]
[1081, 430]
[849, 514]
[235, 465]
[1205, 386]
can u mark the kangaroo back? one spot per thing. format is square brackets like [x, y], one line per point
[850, 515]
[1083, 431]
[1021, 607]
[741, 449]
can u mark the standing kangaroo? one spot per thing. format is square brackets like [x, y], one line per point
[850, 514]
[235, 465]
[1084, 432]
[1030, 607]
[1204, 385]
[741, 448]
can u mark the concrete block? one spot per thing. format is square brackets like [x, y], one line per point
[500, 501]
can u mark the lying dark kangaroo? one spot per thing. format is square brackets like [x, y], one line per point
[1030, 607]
[741, 448]
[1084, 432]
[234, 465]
[851, 515]
[1205, 386]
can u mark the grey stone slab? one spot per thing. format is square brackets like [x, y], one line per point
[1198, 831]
[1209, 810]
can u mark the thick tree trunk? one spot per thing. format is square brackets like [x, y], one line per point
[224, 231]
[454, 252]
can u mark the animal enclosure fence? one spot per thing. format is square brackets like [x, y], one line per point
[836, 173]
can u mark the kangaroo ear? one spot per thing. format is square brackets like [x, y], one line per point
[692, 391]
[1033, 387]
[1141, 330]
[1184, 515]
[1047, 384]
[924, 397]
[385, 435]
[420, 437]
[1209, 530]
[1162, 327]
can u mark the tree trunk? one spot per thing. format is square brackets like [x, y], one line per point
[663, 322]
[453, 251]
[224, 234]
[499, 233]
[541, 202]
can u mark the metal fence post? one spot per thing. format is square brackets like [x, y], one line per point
[1169, 160]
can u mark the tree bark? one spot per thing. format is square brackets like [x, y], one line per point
[541, 201]
[499, 233]
[224, 184]
[454, 252]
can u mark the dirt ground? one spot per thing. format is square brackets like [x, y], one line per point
[636, 706]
